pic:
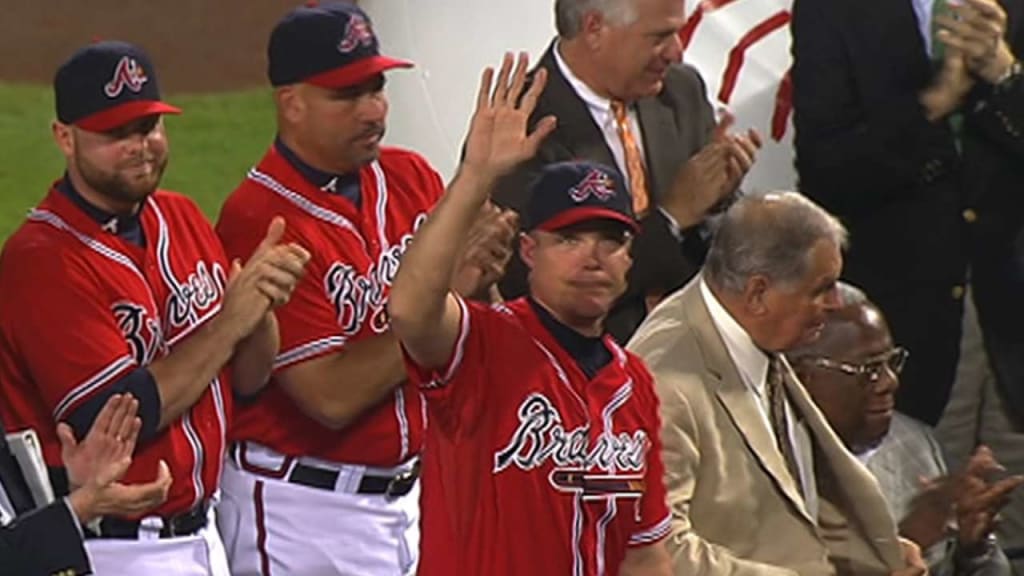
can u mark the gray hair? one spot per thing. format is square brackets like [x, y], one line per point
[569, 13]
[770, 235]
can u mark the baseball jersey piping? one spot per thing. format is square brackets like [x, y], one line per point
[403, 423]
[612, 508]
[382, 205]
[308, 350]
[655, 533]
[163, 251]
[304, 203]
[577, 535]
[121, 366]
[118, 367]
[460, 346]
[108, 374]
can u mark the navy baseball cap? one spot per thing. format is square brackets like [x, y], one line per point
[330, 45]
[106, 85]
[568, 193]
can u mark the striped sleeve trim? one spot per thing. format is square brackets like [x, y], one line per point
[460, 347]
[308, 350]
[653, 534]
[106, 375]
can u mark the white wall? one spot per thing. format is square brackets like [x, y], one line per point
[451, 41]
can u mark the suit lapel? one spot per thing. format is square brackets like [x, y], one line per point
[576, 132]
[658, 126]
[739, 401]
[868, 508]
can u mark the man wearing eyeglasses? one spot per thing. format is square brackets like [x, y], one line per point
[852, 373]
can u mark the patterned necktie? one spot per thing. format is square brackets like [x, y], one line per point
[634, 162]
[777, 415]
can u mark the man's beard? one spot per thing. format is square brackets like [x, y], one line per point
[115, 186]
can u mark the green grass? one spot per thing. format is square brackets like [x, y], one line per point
[213, 143]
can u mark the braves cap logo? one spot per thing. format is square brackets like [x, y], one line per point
[357, 32]
[128, 74]
[596, 183]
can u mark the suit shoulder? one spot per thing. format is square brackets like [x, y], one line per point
[668, 347]
[684, 79]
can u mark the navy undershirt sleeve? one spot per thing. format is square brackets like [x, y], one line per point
[139, 383]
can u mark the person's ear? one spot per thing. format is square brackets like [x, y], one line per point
[64, 137]
[593, 30]
[527, 249]
[291, 106]
[756, 295]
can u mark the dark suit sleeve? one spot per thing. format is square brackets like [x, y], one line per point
[847, 119]
[43, 542]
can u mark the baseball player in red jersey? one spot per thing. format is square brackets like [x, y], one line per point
[338, 433]
[113, 286]
[550, 446]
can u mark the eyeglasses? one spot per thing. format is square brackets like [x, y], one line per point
[893, 360]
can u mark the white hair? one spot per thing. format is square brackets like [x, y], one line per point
[569, 13]
[770, 235]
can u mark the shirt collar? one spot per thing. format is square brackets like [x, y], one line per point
[126, 226]
[751, 362]
[595, 102]
[589, 352]
[346, 185]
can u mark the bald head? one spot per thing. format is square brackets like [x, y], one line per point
[848, 371]
[855, 317]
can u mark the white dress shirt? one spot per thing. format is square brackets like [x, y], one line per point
[752, 364]
[923, 10]
[600, 109]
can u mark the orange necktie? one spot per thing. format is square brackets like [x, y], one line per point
[634, 163]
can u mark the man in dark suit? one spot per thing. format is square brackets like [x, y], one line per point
[622, 99]
[915, 140]
[48, 541]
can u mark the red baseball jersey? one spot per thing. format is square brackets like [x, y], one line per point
[81, 307]
[541, 469]
[341, 299]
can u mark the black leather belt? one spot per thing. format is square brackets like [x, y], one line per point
[184, 524]
[391, 486]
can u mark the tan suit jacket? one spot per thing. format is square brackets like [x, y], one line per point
[735, 509]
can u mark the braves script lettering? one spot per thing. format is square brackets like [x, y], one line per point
[200, 290]
[357, 297]
[142, 332]
[542, 437]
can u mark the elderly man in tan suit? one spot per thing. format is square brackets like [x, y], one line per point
[757, 481]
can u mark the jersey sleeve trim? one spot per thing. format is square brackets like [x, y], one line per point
[308, 350]
[104, 376]
[458, 352]
[653, 534]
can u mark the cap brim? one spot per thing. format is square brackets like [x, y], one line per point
[124, 113]
[585, 214]
[357, 72]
